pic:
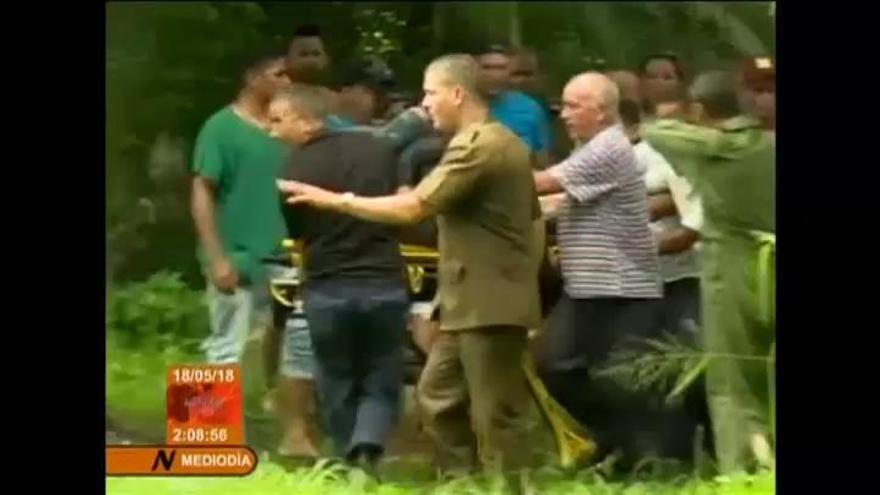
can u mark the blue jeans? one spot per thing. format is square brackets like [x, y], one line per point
[235, 316]
[358, 330]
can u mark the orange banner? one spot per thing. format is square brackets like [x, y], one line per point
[170, 460]
[204, 405]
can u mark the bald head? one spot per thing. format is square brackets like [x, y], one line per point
[459, 70]
[589, 104]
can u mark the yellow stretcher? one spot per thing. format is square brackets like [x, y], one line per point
[572, 439]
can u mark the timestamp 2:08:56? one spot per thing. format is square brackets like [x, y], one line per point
[203, 375]
[198, 435]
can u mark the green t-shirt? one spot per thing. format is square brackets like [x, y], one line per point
[733, 168]
[244, 161]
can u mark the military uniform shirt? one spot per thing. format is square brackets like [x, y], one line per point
[484, 195]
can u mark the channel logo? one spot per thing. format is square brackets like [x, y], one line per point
[173, 460]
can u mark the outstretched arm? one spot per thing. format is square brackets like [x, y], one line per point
[401, 208]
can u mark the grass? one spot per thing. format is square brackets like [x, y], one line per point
[135, 397]
[323, 479]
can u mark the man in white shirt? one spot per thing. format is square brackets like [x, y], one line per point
[676, 219]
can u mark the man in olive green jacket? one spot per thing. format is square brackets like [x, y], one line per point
[484, 196]
[732, 165]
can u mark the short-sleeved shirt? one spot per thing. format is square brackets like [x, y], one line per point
[243, 161]
[660, 178]
[483, 193]
[524, 116]
[336, 245]
[606, 246]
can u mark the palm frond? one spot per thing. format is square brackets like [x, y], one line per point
[667, 365]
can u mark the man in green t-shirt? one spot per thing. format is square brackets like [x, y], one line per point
[237, 214]
[731, 163]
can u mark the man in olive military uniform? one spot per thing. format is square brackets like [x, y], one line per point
[484, 196]
[731, 163]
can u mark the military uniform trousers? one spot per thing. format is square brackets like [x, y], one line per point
[477, 374]
[739, 337]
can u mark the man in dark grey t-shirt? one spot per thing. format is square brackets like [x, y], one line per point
[355, 294]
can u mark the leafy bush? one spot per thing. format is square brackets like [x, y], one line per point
[156, 313]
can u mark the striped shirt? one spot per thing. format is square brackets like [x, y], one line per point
[605, 243]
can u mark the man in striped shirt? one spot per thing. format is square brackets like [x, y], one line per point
[609, 263]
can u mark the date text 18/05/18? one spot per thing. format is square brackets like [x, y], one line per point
[202, 374]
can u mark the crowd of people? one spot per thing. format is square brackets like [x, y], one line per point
[663, 216]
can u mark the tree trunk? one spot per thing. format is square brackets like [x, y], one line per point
[439, 22]
[514, 25]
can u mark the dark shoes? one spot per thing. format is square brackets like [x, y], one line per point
[366, 458]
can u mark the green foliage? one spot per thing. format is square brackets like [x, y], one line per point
[135, 384]
[671, 366]
[326, 479]
[156, 313]
[379, 31]
[170, 65]
[151, 325]
[668, 365]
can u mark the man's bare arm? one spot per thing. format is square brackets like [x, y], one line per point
[222, 272]
[402, 208]
[661, 205]
[203, 211]
[678, 240]
[546, 183]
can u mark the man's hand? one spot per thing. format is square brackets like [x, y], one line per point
[661, 205]
[551, 204]
[224, 275]
[301, 193]
[424, 332]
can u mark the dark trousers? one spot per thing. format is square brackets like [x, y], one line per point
[583, 335]
[682, 318]
[681, 309]
[358, 329]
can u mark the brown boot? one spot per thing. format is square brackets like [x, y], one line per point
[296, 408]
